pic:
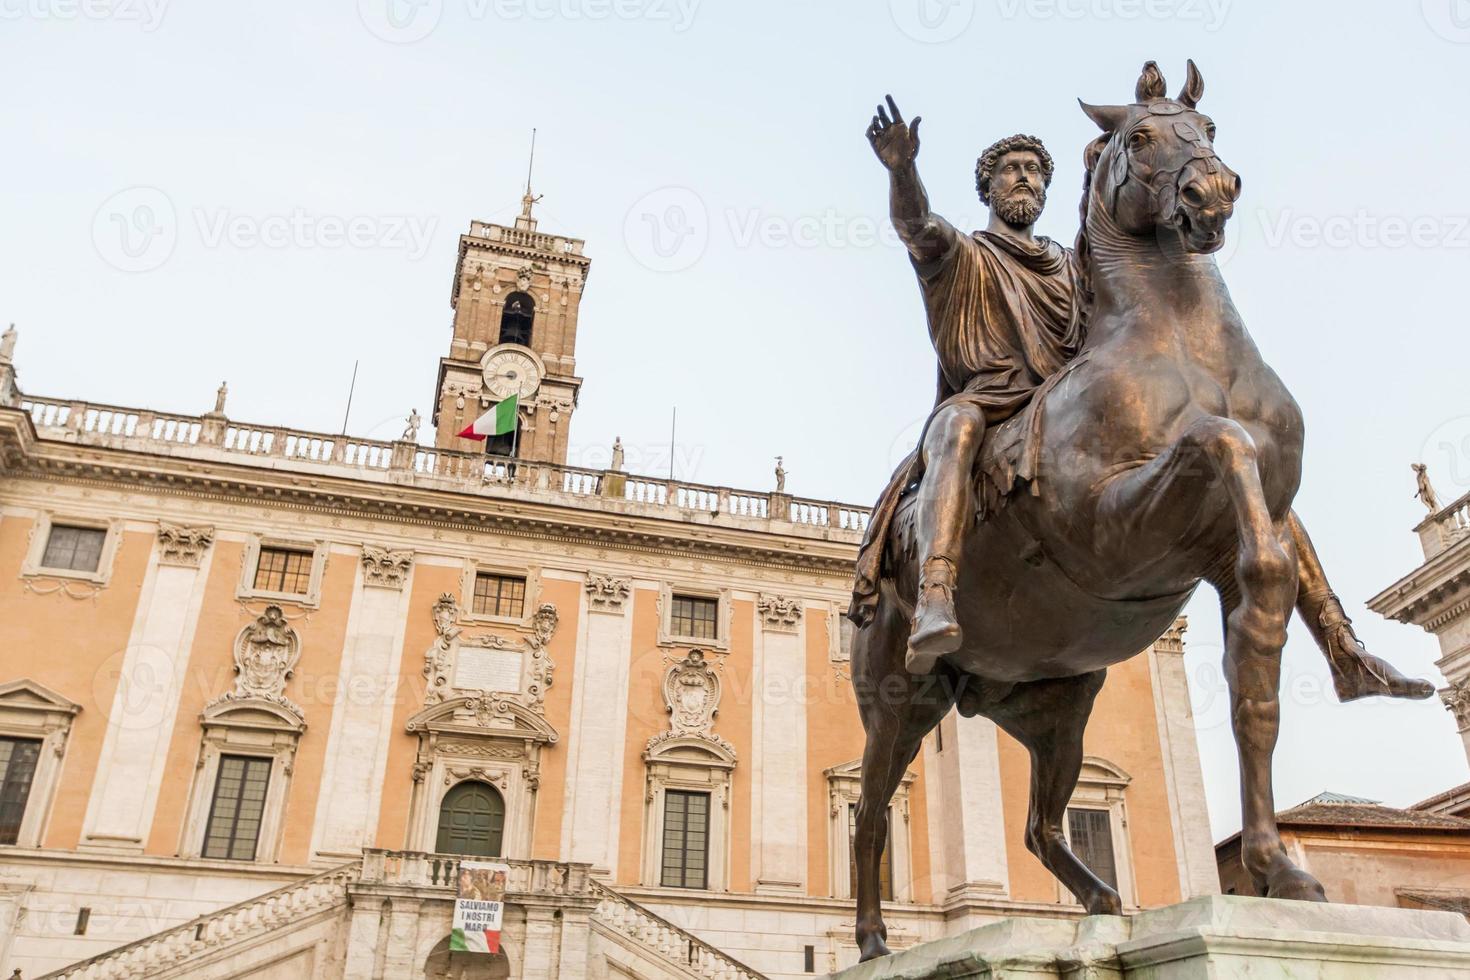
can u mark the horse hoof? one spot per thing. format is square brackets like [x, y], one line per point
[1105, 903]
[871, 948]
[1295, 885]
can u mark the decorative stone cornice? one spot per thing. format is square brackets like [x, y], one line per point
[779, 612]
[605, 593]
[385, 569]
[183, 545]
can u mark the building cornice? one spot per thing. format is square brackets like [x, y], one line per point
[1437, 589]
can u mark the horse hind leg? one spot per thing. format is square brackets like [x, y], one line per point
[1257, 597]
[1049, 717]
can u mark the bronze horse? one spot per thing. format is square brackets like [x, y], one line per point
[1171, 456]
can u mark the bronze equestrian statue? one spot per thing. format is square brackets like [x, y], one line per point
[1117, 383]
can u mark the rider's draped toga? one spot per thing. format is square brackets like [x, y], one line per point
[1004, 317]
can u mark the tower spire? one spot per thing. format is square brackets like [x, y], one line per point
[524, 221]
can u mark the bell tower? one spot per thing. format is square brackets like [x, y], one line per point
[515, 296]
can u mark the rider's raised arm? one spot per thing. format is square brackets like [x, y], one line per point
[926, 235]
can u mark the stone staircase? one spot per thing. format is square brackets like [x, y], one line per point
[307, 923]
[178, 951]
[684, 954]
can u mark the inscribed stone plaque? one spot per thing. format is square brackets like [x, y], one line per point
[481, 669]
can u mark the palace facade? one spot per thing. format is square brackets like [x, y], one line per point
[261, 688]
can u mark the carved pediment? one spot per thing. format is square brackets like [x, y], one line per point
[256, 713]
[28, 695]
[484, 715]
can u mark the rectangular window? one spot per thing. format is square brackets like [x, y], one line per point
[694, 617]
[283, 570]
[885, 867]
[686, 839]
[76, 549]
[235, 813]
[17, 768]
[1091, 835]
[499, 595]
[846, 633]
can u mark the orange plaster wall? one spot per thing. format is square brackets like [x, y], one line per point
[73, 646]
[211, 671]
[550, 798]
[429, 582]
[1123, 730]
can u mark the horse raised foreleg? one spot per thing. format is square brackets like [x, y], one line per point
[897, 709]
[1257, 602]
[1048, 717]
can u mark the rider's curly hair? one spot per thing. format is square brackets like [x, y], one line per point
[986, 164]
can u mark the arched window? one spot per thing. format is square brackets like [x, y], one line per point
[516, 319]
[471, 821]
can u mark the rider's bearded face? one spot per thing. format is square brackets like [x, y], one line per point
[1017, 188]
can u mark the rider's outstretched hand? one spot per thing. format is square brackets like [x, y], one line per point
[895, 141]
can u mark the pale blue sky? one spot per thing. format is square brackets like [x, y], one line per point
[773, 307]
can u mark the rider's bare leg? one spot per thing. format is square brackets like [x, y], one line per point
[1356, 673]
[945, 512]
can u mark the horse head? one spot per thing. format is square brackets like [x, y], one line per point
[1155, 169]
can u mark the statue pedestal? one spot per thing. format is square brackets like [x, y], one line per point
[1217, 937]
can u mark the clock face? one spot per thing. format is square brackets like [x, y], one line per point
[511, 372]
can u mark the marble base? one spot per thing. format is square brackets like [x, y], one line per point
[1216, 937]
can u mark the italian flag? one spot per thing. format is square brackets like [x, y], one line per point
[497, 422]
[474, 940]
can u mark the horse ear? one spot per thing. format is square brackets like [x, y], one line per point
[1150, 85]
[1107, 117]
[1194, 86]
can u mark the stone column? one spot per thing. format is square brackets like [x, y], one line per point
[779, 732]
[362, 718]
[150, 679]
[598, 725]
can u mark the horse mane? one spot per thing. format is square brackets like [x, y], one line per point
[1090, 157]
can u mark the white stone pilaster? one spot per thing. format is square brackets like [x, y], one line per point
[780, 770]
[966, 819]
[150, 680]
[597, 736]
[1194, 851]
[362, 717]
